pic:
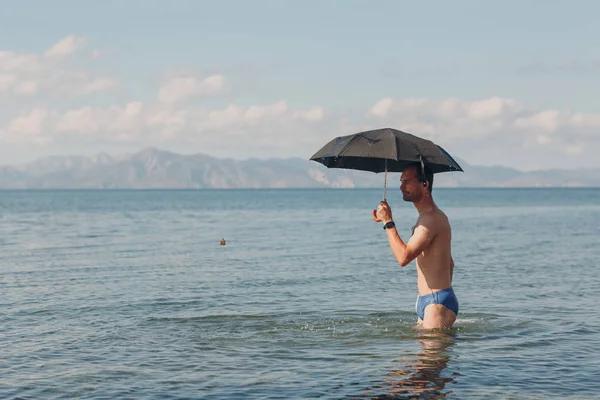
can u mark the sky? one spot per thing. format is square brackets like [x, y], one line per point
[512, 83]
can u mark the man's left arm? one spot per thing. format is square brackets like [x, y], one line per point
[418, 242]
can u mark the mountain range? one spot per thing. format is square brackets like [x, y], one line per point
[152, 168]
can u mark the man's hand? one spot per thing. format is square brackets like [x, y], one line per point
[384, 212]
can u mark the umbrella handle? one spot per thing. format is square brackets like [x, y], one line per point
[375, 216]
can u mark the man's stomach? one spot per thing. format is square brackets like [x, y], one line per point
[433, 280]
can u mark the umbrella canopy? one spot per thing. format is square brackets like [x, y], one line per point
[384, 150]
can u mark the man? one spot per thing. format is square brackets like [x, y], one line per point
[430, 244]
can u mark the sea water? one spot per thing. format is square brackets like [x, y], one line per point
[129, 294]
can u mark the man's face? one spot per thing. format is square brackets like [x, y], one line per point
[411, 187]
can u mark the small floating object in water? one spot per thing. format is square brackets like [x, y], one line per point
[223, 242]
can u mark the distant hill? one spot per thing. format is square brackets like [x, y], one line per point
[153, 168]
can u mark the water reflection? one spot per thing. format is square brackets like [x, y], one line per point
[424, 375]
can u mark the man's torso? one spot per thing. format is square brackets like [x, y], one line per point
[434, 264]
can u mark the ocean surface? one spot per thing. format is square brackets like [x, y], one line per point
[129, 295]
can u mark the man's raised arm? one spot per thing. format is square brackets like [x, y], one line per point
[407, 252]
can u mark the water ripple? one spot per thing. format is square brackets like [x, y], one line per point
[129, 295]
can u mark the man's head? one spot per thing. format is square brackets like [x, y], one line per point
[416, 182]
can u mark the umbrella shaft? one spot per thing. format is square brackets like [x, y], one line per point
[385, 181]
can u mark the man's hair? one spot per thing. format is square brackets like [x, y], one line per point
[423, 174]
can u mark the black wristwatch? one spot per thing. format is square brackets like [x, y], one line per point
[389, 225]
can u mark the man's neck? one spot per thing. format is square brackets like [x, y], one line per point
[425, 205]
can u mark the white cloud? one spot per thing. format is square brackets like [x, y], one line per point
[66, 46]
[382, 107]
[486, 130]
[490, 108]
[17, 63]
[491, 127]
[585, 120]
[258, 113]
[6, 81]
[28, 74]
[99, 84]
[545, 121]
[29, 128]
[495, 124]
[455, 119]
[252, 128]
[184, 88]
[312, 115]
[445, 119]
[26, 87]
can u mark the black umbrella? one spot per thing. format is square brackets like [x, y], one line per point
[383, 150]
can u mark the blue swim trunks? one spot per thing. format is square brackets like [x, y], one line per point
[445, 297]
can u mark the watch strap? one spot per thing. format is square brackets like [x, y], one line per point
[389, 225]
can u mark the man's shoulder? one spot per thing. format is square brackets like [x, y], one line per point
[435, 221]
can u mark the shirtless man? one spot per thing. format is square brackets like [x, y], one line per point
[430, 244]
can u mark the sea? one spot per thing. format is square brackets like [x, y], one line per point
[129, 294]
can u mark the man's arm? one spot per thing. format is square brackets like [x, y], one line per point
[407, 252]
